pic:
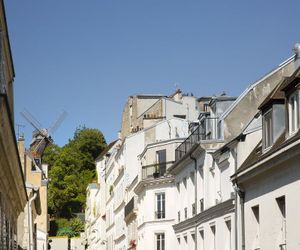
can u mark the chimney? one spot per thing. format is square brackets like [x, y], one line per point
[296, 50]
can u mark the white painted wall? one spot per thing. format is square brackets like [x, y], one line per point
[263, 191]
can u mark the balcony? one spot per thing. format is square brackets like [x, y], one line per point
[208, 129]
[130, 209]
[156, 170]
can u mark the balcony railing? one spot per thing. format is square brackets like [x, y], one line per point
[130, 208]
[156, 170]
[208, 129]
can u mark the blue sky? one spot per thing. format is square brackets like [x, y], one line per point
[88, 56]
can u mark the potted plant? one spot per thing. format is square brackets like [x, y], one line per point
[111, 189]
[156, 172]
[132, 244]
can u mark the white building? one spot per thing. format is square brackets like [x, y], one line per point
[269, 179]
[156, 190]
[90, 216]
[205, 210]
[207, 215]
[149, 122]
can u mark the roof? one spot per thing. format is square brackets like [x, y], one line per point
[258, 155]
[282, 141]
[291, 81]
[276, 94]
[149, 96]
[252, 86]
[105, 151]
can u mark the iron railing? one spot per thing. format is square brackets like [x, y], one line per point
[156, 170]
[209, 128]
[129, 207]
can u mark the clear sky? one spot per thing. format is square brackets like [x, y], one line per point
[88, 56]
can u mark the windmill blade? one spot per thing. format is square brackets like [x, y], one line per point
[58, 121]
[42, 144]
[30, 118]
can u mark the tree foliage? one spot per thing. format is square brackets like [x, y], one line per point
[70, 228]
[72, 167]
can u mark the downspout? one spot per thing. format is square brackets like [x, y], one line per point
[235, 202]
[241, 194]
[30, 231]
[196, 197]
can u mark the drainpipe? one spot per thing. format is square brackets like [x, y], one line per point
[196, 196]
[241, 194]
[235, 202]
[30, 228]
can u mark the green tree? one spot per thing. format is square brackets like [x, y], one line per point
[72, 167]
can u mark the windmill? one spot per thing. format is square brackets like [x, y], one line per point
[41, 137]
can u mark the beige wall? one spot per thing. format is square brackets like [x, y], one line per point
[58, 243]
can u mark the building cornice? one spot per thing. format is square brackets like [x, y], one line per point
[207, 215]
[281, 155]
[153, 182]
[120, 206]
[154, 222]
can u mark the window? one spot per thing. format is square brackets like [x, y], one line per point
[227, 243]
[184, 181]
[213, 233]
[267, 129]
[293, 110]
[201, 232]
[281, 205]
[160, 206]
[193, 209]
[255, 211]
[201, 205]
[185, 212]
[178, 214]
[193, 177]
[160, 241]
[161, 159]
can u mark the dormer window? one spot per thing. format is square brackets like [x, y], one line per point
[273, 122]
[267, 129]
[293, 111]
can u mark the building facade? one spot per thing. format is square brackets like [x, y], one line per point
[268, 180]
[13, 196]
[209, 173]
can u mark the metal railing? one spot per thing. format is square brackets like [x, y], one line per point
[156, 170]
[129, 207]
[208, 129]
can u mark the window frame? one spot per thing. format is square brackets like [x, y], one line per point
[160, 241]
[267, 126]
[160, 210]
[293, 112]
